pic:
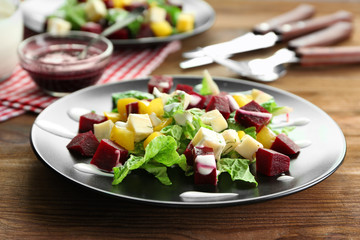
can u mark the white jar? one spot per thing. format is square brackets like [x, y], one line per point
[11, 34]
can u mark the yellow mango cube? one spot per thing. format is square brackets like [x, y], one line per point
[185, 22]
[114, 117]
[123, 136]
[266, 137]
[241, 134]
[121, 106]
[151, 137]
[242, 99]
[161, 29]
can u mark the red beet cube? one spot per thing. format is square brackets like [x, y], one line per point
[254, 107]
[92, 27]
[109, 155]
[271, 163]
[87, 121]
[252, 119]
[220, 103]
[184, 87]
[132, 108]
[285, 145]
[162, 83]
[197, 100]
[189, 154]
[120, 34]
[145, 31]
[205, 167]
[83, 144]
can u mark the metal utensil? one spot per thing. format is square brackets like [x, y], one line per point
[300, 51]
[281, 33]
[131, 17]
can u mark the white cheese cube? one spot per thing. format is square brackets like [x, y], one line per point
[103, 130]
[209, 138]
[58, 26]
[157, 14]
[232, 140]
[215, 119]
[247, 147]
[95, 10]
[141, 125]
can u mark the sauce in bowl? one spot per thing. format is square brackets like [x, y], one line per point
[54, 65]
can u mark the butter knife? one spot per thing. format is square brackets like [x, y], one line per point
[252, 41]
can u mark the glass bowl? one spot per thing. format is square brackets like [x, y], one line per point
[53, 63]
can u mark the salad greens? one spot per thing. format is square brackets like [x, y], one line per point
[167, 150]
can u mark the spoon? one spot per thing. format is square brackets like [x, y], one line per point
[113, 28]
[304, 52]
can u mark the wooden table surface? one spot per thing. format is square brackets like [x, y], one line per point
[37, 203]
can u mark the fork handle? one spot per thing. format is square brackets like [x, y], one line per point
[316, 56]
[300, 28]
[303, 11]
[338, 32]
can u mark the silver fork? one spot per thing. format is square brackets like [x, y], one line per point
[265, 70]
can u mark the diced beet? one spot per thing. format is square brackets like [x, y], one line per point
[120, 34]
[197, 100]
[285, 145]
[205, 169]
[83, 144]
[184, 87]
[220, 103]
[87, 121]
[252, 119]
[92, 27]
[162, 83]
[108, 3]
[145, 31]
[271, 163]
[189, 154]
[109, 155]
[254, 107]
[132, 108]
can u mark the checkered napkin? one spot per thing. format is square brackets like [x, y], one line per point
[19, 93]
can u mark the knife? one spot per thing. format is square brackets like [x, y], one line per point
[303, 11]
[251, 41]
[308, 50]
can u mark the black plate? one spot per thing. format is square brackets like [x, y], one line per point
[314, 164]
[204, 19]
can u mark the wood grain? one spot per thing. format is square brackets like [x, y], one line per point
[37, 203]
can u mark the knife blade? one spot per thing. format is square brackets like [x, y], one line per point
[303, 11]
[252, 41]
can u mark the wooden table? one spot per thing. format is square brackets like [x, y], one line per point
[37, 203]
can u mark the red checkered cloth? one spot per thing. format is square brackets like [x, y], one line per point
[19, 93]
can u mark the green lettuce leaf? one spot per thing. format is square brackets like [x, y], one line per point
[134, 162]
[131, 94]
[161, 151]
[158, 170]
[205, 88]
[237, 168]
